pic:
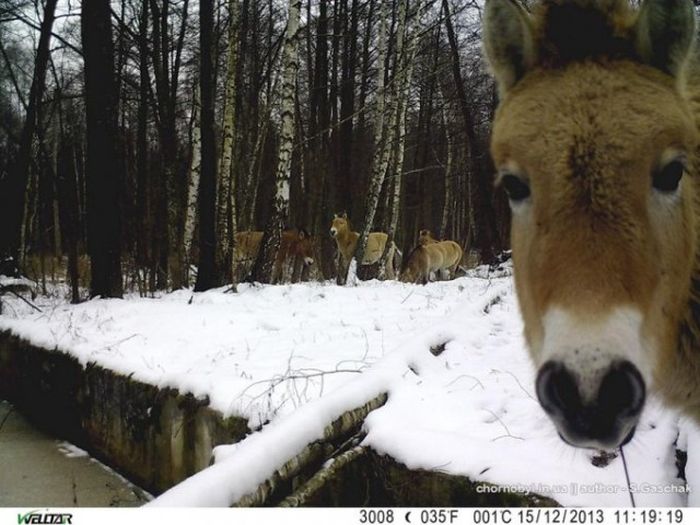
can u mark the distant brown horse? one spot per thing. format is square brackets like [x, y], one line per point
[426, 237]
[346, 240]
[295, 245]
[595, 142]
[431, 256]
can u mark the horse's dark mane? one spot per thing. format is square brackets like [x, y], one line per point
[575, 30]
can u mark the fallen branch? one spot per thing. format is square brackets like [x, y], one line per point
[310, 459]
[6, 289]
[318, 481]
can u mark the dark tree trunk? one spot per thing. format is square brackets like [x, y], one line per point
[143, 237]
[14, 203]
[166, 58]
[208, 275]
[324, 193]
[68, 195]
[484, 236]
[347, 107]
[342, 200]
[103, 169]
[364, 83]
[166, 135]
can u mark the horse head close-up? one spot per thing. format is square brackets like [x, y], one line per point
[595, 143]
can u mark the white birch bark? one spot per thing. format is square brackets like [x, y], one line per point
[382, 138]
[193, 184]
[448, 204]
[290, 65]
[226, 208]
[405, 72]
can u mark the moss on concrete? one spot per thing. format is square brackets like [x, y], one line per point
[154, 437]
[360, 477]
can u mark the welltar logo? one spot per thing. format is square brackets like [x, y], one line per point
[36, 516]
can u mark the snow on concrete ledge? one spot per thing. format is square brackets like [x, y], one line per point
[449, 354]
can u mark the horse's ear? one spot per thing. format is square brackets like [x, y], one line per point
[665, 31]
[508, 42]
[344, 215]
[303, 234]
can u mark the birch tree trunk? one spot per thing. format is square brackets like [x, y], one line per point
[448, 202]
[264, 265]
[402, 92]
[193, 183]
[226, 208]
[382, 152]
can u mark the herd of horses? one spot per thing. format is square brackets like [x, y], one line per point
[431, 258]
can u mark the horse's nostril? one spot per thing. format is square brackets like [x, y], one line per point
[556, 389]
[628, 437]
[606, 416]
[622, 391]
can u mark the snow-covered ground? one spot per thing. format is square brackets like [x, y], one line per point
[257, 353]
[299, 355]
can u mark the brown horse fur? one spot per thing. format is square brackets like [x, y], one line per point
[599, 106]
[294, 245]
[430, 256]
[426, 237]
[346, 240]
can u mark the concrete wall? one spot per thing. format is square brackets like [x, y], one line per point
[360, 477]
[156, 438]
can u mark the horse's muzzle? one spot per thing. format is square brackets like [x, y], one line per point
[604, 420]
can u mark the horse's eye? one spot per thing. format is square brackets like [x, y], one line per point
[517, 189]
[667, 178]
